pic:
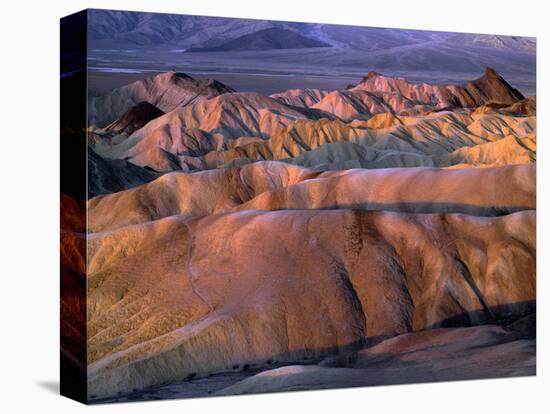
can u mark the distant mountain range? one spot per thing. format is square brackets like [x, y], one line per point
[120, 29]
[266, 39]
[292, 55]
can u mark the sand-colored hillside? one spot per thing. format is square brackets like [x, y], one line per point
[413, 190]
[166, 91]
[377, 93]
[525, 107]
[345, 155]
[180, 297]
[388, 122]
[384, 140]
[275, 185]
[490, 87]
[426, 138]
[196, 194]
[232, 115]
[300, 97]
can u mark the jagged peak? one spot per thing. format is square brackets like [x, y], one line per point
[180, 75]
[172, 75]
[372, 75]
[490, 72]
[184, 80]
[491, 81]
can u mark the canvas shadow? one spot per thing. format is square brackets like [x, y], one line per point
[50, 386]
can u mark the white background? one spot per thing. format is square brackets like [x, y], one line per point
[29, 178]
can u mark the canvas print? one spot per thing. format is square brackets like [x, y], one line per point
[253, 206]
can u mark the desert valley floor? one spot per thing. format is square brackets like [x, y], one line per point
[237, 242]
